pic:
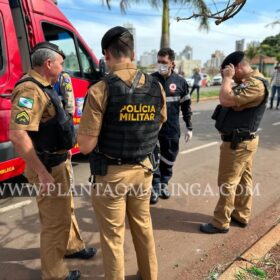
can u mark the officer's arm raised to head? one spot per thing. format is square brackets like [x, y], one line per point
[226, 95]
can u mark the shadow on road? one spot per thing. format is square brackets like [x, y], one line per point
[170, 219]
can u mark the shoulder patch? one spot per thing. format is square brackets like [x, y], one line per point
[25, 102]
[68, 87]
[22, 118]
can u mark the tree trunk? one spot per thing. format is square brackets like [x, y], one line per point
[165, 36]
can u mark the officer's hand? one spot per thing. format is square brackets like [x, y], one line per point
[229, 71]
[47, 183]
[188, 135]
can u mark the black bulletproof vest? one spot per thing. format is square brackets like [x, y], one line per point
[248, 119]
[132, 119]
[56, 133]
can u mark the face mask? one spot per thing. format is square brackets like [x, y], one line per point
[162, 69]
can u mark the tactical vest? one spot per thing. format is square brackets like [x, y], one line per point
[132, 119]
[228, 120]
[57, 133]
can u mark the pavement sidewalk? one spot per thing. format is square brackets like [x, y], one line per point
[254, 254]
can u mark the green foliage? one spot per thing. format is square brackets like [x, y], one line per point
[252, 273]
[271, 46]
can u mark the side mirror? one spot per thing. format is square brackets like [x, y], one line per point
[102, 67]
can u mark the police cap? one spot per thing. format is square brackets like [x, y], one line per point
[50, 46]
[112, 34]
[233, 58]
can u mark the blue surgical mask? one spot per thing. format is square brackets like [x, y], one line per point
[162, 69]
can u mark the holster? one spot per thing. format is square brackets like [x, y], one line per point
[237, 137]
[98, 164]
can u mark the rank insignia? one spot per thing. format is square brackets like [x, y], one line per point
[22, 118]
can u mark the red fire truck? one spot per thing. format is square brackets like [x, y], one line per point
[23, 23]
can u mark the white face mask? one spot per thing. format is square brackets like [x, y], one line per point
[162, 68]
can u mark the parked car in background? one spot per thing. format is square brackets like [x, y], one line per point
[204, 82]
[217, 80]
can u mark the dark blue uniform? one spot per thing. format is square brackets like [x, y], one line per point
[177, 96]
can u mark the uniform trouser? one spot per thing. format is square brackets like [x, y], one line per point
[169, 148]
[60, 233]
[235, 183]
[125, 190]
[274, 90]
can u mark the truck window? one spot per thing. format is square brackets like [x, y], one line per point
[85, 58]
[78, 64]
[2, 49]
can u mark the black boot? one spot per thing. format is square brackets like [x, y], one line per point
[73, 275]
[154, 196]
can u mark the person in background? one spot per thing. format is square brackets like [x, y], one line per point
[196, 83]
[275, 83]
[177, 97]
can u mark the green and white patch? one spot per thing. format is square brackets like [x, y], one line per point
[25, 102]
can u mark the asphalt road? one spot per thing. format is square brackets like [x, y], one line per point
[183, 252]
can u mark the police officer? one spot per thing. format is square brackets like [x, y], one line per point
[42, 132]
[237, 119]
[120, 122]
[177, 96]
[64, 89]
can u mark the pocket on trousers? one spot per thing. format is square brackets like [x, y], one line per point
[252, 145]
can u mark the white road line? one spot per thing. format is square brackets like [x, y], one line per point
[199, 148]
[194, 114]
[276, 123]
[15, 206]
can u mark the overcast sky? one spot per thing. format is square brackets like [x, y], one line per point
[92, 19]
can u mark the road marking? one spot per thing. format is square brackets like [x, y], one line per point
[199, 148]
[276, 123]
[259, 129]
[15, 206]
[194, 114]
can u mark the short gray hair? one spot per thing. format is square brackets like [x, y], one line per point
[41, 55]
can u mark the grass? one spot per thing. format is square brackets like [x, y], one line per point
[252, 273]
[206, 94]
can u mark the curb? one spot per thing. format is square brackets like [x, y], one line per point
[206, 98]
[253, 254]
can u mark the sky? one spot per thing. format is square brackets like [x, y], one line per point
[92, 19]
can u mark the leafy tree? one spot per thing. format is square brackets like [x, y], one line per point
[199, 5]
[273, 45]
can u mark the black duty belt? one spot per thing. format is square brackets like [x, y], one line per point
[119, 161]
[51, 159]
[229, 138]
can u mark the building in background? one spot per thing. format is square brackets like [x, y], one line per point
[186, 54]
[239, 45]
[148, 59]
[213, 65]
[185, 67]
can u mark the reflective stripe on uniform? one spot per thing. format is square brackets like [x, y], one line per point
[172, 98]
[166, 161]
[186, 97]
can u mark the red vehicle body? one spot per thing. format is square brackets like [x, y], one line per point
[23, 23]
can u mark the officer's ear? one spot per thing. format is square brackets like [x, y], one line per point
[107, 55]
[132, 57]
[48, 63]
